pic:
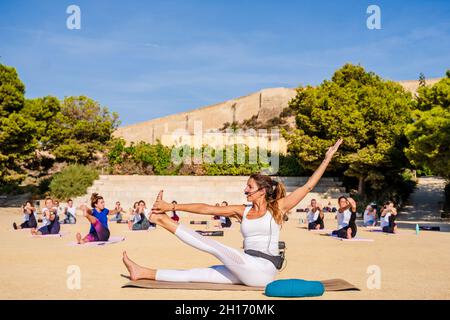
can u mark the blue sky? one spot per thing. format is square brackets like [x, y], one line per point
[146, 59]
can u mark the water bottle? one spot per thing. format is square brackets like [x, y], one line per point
[417, 229]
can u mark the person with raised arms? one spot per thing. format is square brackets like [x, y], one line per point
[261, 222]
[117, 213]
[141, 222]
[29, 217]
[388, 215]
[98, 217]
[174, 215]
[370, 215]
[70, 213]
[50, 220]
[346, 218]
[315, 216]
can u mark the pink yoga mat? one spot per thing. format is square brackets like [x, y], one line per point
[58, 235]
[111, 240]
[321, 231]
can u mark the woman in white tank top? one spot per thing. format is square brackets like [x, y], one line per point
[260, 226]
[387, 220]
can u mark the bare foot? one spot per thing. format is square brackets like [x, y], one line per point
[33, 231]
[136, 272]
[349, 233]
[79, 241]
[153, 218]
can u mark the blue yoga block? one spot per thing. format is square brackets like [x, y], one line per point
[290, 288]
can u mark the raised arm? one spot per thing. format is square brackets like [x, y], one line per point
[290, 201]
[321, 215]
[352, 204]
[160, 206]
[86, 210]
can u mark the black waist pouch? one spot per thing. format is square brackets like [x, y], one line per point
[276, 260]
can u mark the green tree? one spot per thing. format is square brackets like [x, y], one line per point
[17, 132]
[80, 130]
[43, 112]
[429, 134]
[368, 112]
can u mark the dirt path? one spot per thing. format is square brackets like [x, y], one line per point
[426, 202]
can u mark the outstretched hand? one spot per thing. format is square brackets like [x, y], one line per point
[332, 150]
[84, 207]
[352, 202]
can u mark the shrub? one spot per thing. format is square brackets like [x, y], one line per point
[72, 181]
[140, 158]
[289, 166]
[240, 166]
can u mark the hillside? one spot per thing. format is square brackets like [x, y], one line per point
[265, 105]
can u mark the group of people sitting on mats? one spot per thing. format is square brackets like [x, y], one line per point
[346, 217]
[138, 216]
[50, 221]
[97, 215]
[51, 207]
[327, 208]
[386, 216]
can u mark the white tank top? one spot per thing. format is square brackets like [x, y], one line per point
[45, 221]
[312, 216]
[343, 218]
[385, 220]
[261, 234]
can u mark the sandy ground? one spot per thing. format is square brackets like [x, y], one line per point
[412, 266]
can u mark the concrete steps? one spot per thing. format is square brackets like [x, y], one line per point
[188, 189]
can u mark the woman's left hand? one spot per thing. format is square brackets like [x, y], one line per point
[332, 150]
[160, 206]
[352, 202]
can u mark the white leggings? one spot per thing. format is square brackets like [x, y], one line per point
[238, 268]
